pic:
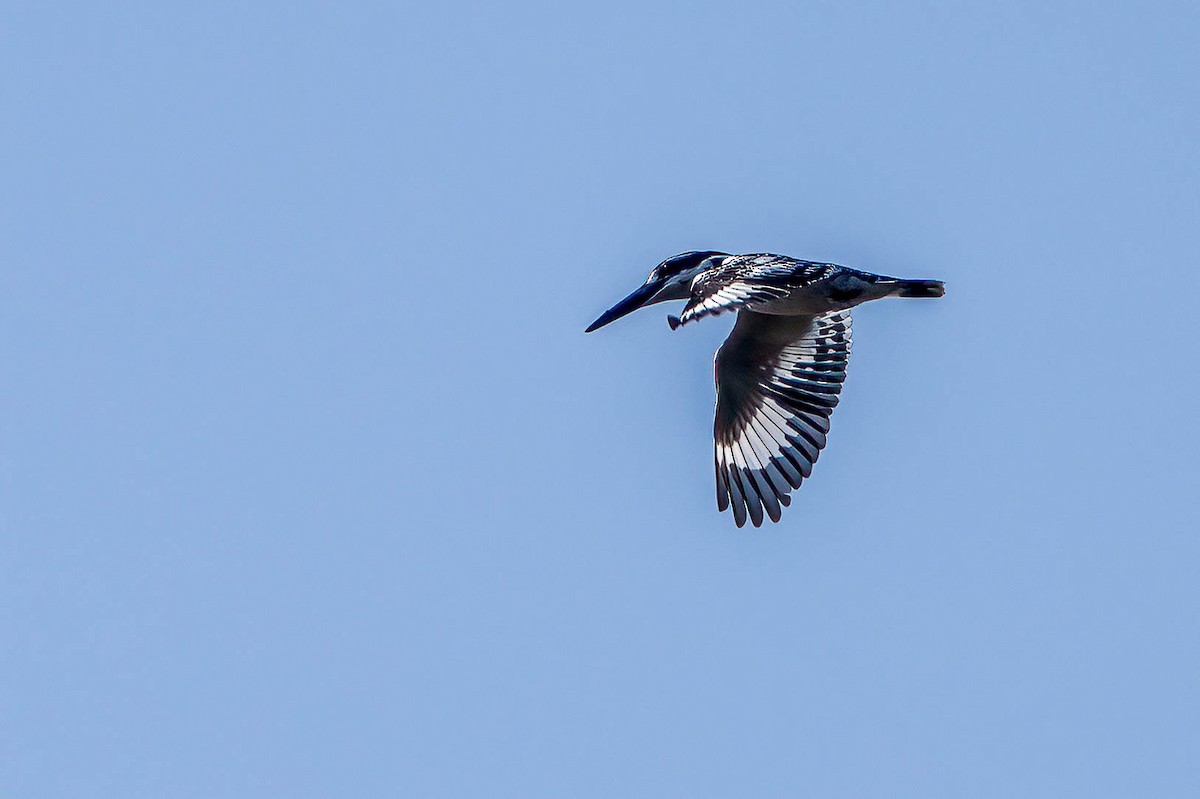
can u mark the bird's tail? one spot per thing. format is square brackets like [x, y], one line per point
[919, 288]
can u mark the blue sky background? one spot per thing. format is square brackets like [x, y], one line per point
[312, 485]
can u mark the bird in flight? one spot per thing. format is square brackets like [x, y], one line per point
[780, 371]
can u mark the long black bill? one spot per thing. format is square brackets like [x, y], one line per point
[627, 306]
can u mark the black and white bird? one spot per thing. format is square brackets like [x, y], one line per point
[780, 371]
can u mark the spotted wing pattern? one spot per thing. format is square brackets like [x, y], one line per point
[742, 281]
[778, 379]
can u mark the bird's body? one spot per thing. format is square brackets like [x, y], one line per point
[780, 371]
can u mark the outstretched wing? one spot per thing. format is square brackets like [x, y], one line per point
[743, 281]
[778, 379]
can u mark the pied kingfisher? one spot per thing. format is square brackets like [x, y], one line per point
[780, 371]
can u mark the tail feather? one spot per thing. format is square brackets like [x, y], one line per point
[919, 288]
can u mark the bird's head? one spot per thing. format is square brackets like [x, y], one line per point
[670, 280]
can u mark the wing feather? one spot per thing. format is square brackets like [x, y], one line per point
[778, 381]
[745, 281]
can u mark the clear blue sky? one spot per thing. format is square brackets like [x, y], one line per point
[312, 485]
